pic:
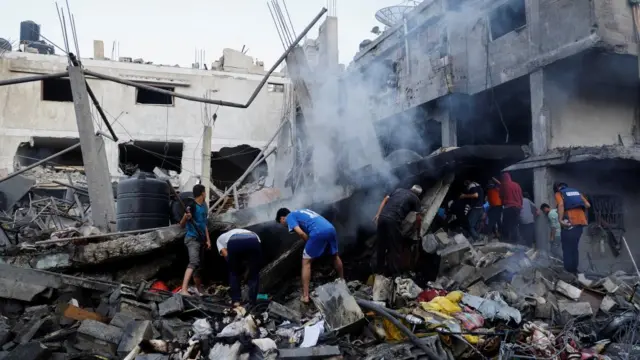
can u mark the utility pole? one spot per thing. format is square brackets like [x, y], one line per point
[94, 156]
[206, 160]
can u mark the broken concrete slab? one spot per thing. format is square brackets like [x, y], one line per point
[337, 305]
[34, 326]
[136, 309]
[96, 336]
[284, 312]
[133, 334]
[575, 308]
[317, 352]
[172, 305]
[13, 190]
[29, 351]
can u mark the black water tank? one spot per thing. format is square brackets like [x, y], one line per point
[29, 31]
[142, 203]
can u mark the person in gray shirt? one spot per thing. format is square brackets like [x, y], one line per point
[527, 226]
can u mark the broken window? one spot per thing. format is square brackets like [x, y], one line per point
[273, 87]
[42, 147]
[228, 164]
[147, 155]
[56, 90]
[507, 18]
[148, 97]
[607, 210]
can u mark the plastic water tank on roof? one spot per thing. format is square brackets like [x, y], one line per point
[29, 31]
[142, 203]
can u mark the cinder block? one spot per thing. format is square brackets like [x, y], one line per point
[94, 335]
[29, 351]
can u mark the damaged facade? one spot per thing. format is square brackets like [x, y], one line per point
[156, 130]
[551, 76]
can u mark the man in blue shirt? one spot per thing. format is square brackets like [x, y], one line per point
[319, 235]
[195, 219]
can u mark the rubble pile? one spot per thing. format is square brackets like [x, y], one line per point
[48, 175]
[491, 301]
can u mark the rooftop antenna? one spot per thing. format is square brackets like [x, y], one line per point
[392, 15]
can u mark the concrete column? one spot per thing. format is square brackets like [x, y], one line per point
[93, 155]
[206, 160]
[448, 124]
[541, 137]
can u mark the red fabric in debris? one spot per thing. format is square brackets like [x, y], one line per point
[158, 286]
[511, 192]
[428, 295]
[177, 290]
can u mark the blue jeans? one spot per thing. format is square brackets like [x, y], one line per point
[570, 239]
[240, 249]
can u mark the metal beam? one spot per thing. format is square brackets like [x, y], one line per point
[210, 101]
[27, 79]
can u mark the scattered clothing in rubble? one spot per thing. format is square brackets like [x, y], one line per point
[392, 211]
[511, 195]
[238, 247]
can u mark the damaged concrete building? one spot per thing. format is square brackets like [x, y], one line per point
[557, 78]
[155, 130]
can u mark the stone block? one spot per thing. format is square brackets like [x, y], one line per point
[121, 320]
[137, 310]
[96, 336]
[134, 333]
[171, 306]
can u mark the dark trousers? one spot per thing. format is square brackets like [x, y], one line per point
[239, 251]
[510, 220]
[389, 250]
[495, 219]
[474, 217]
[570, 238]
[528, 234]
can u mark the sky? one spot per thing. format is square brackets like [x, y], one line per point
[168, 32]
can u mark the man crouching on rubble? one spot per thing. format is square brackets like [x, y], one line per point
[236, 246]
[392, 211]
[319, 235]
[197, 235]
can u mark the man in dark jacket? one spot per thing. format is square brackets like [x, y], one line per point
[391, 213]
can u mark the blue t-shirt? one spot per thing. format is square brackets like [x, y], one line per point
[199, 216]
[309, 221]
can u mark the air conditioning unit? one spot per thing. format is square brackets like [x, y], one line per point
[125, 59]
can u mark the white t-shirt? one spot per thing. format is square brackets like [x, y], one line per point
[224, 238]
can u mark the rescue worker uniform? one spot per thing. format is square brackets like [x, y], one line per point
[575, 205]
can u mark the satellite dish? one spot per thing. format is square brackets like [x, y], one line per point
[391, 15]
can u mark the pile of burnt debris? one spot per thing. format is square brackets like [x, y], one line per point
[490, 301]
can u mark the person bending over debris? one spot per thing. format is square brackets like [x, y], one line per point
[511, 195]
[554, 225]
[474, 197]
[528, 215]
[572, 206]
[319, 235]
[238, 246]
[391, 213]
[195, 219]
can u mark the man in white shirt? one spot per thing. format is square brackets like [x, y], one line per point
[238, 246]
